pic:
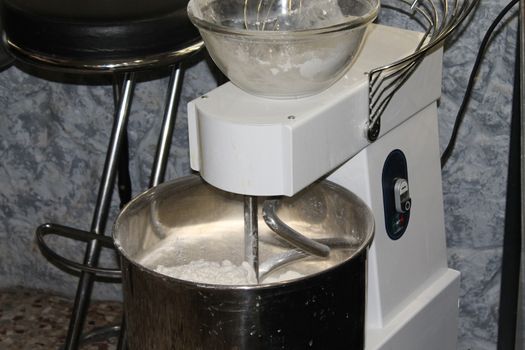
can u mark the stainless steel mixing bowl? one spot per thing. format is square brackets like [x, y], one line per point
[187, 220]
[283, 48]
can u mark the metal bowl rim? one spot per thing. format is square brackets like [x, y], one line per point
[189, 180]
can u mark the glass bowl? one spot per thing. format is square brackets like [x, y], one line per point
[283, 48]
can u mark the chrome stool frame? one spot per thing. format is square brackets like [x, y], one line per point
[88, 269]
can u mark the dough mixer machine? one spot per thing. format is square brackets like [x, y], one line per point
[371, 129]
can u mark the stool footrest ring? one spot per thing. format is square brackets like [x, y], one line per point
[78, 235]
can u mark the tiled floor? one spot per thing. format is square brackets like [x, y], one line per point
[35, 320]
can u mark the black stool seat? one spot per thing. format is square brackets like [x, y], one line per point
[96, 31]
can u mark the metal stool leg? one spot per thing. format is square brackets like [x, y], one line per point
[122, 340]
[163, 149]
[168, 124]
[123, 175]
[124, 178]
[85, 284]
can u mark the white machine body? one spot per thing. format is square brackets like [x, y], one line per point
[256, 146]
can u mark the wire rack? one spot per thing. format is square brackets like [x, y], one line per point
[439, 18]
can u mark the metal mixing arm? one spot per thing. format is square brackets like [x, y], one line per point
[251, 234]
[295, 238]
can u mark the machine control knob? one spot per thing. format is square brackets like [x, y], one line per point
[396, 195]
[402, 199]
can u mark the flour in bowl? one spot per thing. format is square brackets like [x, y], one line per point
[224, 273]
[202, 271]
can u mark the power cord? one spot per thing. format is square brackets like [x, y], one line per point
[475, 69]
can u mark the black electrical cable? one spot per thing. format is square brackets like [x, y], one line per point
[511, 258]
[461, 112]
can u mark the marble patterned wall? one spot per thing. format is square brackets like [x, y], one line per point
[474, 180]
[53, 136]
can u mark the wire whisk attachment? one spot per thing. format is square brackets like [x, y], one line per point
[297, 15]
[271, 15]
